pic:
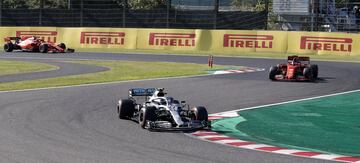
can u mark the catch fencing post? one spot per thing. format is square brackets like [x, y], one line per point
[40, 12]
[168, 7]
[124, 8]
[216, 11]
[1, 4]
[81, 12]
[267, 13]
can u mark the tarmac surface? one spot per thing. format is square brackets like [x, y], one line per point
[64, 69]
[80, 124]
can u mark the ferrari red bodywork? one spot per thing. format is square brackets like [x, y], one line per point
[296, 69]
[33, 44]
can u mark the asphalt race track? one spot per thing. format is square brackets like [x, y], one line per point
[65, 69]
[79, 124]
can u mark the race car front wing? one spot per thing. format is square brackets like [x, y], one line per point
[167, 126]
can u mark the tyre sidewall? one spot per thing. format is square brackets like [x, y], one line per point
[43, 48]
[272, 72]
[8, 47]
[126, 109]
[308, 73]
[315, 69]
[62, 45]
[199, 113]
[145, 115]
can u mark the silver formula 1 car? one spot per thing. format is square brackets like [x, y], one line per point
[159, 112]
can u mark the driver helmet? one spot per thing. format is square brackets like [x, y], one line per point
[295, 61]
[160, 93]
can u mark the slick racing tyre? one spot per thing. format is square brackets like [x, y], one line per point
[315, 69]
[273, 72]
[8, 47]
[126, 109]
[62, 45]
[199, 113]
[308, 73]
[147, 114]
[43, 48]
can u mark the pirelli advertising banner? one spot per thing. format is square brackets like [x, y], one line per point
[118, 38]
[230, 41]
[323, 43]
[168, 39]
[194, 41]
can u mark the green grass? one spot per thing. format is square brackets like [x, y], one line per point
[17, 67]
[327, 124]
[322, 57]
[119, 71]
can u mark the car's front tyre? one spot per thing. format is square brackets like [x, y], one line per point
[315, 69]
[126, 108]
[309, 74]
[147, 114]
[62, 45]
[199, 113]
[272, 72]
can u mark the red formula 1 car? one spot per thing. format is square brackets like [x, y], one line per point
[34, 44]
[296, 69]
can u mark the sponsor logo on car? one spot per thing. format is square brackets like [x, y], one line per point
[107, 38]
[248, 41]
[326, 43]
[49, 36]
[172, 39]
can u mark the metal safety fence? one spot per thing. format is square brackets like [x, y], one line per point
[193, 14]
[289, 15]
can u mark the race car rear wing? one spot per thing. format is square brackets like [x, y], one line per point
[141, 92]
[11, 38]
[290, 58]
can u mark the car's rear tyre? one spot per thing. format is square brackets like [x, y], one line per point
[126, 108]
[273, 72]
[62, 45]
[147, 114]
[199, 113]
[43, 48]
[8, 47]
[315, 69]
[308, 73]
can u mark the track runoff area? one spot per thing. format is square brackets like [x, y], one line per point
[324, 127]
